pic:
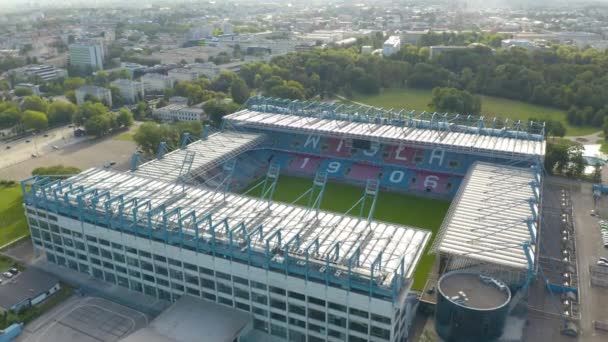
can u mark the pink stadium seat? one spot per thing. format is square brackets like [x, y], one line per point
[360, 172]
[304, 164]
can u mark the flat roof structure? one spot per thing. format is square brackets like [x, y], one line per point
[480, 294]
[208, 153]
[194, 319]
[418, 133]
[493, 216]
[151, 206]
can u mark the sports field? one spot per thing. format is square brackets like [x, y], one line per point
[402, 209]
[419, 99]
[13, 224]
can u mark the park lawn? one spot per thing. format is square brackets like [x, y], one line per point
[419, 99]
[13, 224]
[417, 212]
[126, 136]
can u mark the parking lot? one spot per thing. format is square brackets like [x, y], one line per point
[82, 154]
[593, 299]
[84, 319]
[33, 146]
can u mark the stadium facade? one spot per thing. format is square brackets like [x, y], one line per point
[177, 225]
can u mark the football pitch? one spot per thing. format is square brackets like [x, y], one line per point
[417, 212]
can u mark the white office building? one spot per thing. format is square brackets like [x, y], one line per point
[183, 75]
[45, 72]
[87, 55]
[157, 83]
[103, 94]
[130, 91]
[179, 112]
[391, 45]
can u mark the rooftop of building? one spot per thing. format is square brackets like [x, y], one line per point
[209, 153]
[302, 240]
[124, 82]
[492, 216]
[474, 290]
[194, 319]
[155, 75]
[91, 88]
[26, 285]
[460, 133]
[172, 107]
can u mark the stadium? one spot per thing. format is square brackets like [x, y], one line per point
[320, 220]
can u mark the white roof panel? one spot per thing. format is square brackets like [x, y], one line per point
[217, 148]
[511, 146]
[393, 241]
[488, 219]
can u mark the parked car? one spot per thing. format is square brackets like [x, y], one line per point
[13, 270]
[602, 263]
[27, 141]
[55, 147]
[8, 147]
[603, 259]
[46, 135]
[7, 274]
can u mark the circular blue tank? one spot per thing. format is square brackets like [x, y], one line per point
[471, 307]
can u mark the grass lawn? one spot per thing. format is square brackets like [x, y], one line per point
[419, 99]
[126, 136]
[12, 218]
[402, 209]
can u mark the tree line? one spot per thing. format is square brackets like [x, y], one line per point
[561, 76]
[36, 113]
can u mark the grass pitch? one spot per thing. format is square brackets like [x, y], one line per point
[418, 212]
[13, 224]
[419, 99]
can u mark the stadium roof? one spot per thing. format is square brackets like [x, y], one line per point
[485, 143]
[213, 151]
[489, 218]
[348, 235]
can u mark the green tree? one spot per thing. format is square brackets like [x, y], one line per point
[61, 112]
[72, 83]
[101, 78]
[149, 135]
[142, 110]
[217, 110]
[56, 170]
[162, 103]
[556, 158]
[87, 111]
[124, 118]
[223, 81]
[239, 90]
[117, 99]
[98, 125]
[452, 100]
[35, 103]
[71, 96]
[576, 161]
[23, 92]
[34, 120]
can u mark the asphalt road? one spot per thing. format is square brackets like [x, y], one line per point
[41, 144]
[82, 153]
